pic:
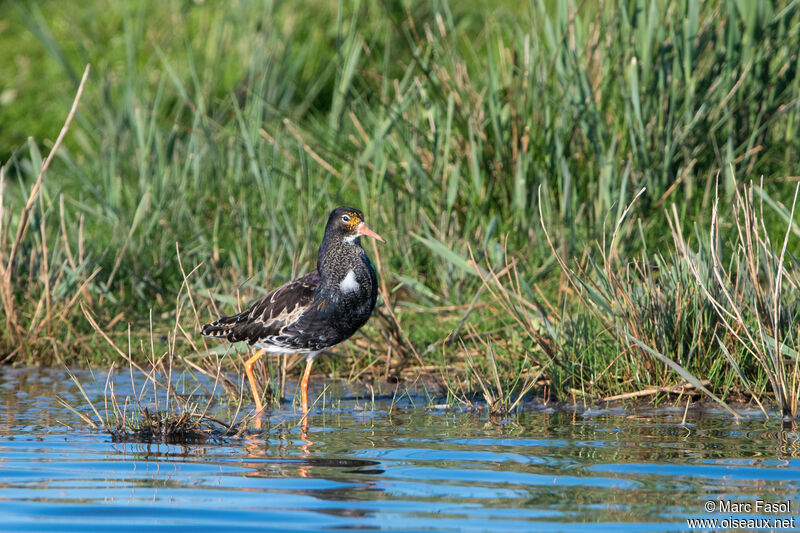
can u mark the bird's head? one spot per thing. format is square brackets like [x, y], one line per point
[347, 223]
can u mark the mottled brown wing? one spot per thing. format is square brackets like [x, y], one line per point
[267, 318]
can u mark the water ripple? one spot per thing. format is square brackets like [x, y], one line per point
[411, 470]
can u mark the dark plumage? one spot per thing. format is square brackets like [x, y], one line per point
[315, 311]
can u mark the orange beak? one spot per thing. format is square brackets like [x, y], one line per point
[364, 230]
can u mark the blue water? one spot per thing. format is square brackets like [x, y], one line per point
[399, 468]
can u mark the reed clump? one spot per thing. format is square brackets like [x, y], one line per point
[162, 428]
[165, 404]
[753, 287]
[716, 314]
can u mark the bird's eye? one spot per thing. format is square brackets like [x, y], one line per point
[346, 218]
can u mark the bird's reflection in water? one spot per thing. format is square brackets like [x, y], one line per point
[307, 443]
[267, 449]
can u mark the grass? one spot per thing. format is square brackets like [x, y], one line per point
[755, 294]
[498, 149]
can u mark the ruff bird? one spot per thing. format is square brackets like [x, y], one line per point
[313, 312]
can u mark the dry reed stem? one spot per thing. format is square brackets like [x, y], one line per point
[677, 389]
[6, 271]
[24, 216]
[385, 293]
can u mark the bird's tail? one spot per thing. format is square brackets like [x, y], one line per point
[221, 328]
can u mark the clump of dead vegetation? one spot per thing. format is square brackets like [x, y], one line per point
[155, 411]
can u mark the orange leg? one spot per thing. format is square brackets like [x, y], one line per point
[248, 368]
[304, 385]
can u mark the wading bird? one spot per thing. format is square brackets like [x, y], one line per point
[315, 311]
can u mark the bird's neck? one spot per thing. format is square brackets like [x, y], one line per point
[336, 259]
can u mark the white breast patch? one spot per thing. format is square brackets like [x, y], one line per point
[349, 283]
